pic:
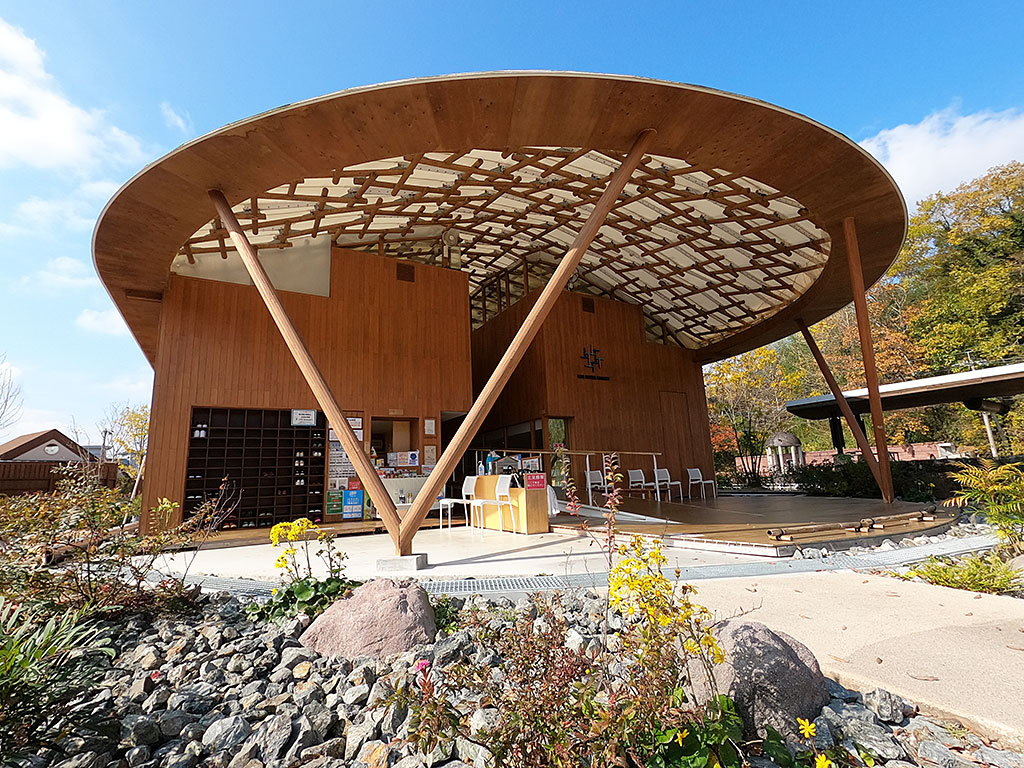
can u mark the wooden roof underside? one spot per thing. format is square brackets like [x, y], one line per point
[729, 232]
[704, 252]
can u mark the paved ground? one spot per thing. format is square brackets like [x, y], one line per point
[453, 553]
[952, 652]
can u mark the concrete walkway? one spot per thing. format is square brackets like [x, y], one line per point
[954, 653]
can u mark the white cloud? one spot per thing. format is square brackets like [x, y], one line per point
[106, 321]
[947, 148]
[64, 272]
[174, 119]
[9, 369]
[41, 128]
[37, 420]
[136, 387]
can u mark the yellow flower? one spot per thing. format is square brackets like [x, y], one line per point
[680, 735]
[822, 761]
[273, 591]
[809, 730]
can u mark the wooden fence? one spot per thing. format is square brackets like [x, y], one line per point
[38, 476]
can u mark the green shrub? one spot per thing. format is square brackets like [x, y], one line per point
[976, 573]
[998, 491]
[46, 667]
[912, 480]
[446, 616]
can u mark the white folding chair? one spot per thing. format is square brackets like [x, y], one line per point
[468, 490]
[552, 502]
[663, 479]
[696, 478]
[502, 498]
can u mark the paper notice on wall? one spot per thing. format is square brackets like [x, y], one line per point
[430, 454]
[339, 466]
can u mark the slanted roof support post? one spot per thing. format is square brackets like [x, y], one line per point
[517, 348]
[867, 352]
[321, 391]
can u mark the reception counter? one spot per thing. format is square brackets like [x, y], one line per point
[530, 507]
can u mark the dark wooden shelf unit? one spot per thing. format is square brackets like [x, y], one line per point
[276, 471]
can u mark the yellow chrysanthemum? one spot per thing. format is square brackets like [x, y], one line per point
[808, 730]
[822, 761]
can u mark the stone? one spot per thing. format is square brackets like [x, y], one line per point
[301, 670]
[140, 689]
[773, 678]
[452, 648]
[837, 691]
[483, 719]
[137, 730]
[292, 657]
[171, 722]
[941, 755]
[302, 737]
[357, 736]
[475, 754]
[271, 737]
[197, 698]
[226, 734]
[137, 755]
[888, 707]
[357, 694]
[380, 618]
[82, 760]
[329, 748]
[875, 738]
[998, 757]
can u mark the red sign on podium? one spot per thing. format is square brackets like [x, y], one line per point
[536, 481]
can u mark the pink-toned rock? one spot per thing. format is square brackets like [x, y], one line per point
[380, 618]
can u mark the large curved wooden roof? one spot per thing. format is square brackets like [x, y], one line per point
[729, 231]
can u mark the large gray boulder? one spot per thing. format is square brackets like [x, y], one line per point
[381, 618]
[773, 678]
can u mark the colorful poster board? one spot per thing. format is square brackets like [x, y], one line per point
[352, 508]
[536, 481]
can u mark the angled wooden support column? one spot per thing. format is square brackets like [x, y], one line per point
[321, 391]
[867, 351]
[844, 406]
[531, 325]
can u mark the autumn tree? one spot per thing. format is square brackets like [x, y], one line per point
[748, 395]
[127, 427]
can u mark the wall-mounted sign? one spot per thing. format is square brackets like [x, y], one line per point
[430, 427]
[591, 358]
[356, 422]
[532, 464]
[430, 454]
[353, 506]
[303, 418]
[536, 481]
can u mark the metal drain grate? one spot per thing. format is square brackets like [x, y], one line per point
[490, 586]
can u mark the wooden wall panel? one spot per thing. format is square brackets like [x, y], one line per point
[625, 413]
[382, 344]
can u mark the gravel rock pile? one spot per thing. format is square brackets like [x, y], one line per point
[217, 690]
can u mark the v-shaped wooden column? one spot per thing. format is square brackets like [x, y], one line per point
[520, 343]
[321, 391]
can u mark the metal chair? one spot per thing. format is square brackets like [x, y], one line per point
[696, 478]
[637, 480]
[596, 481]
[662, 479]
[468, 490]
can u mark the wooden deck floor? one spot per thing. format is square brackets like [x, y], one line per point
[745, 519]
[241, 537]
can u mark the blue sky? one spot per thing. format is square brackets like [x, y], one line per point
[90, 92]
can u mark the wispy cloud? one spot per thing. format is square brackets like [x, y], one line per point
[41, 128]
[106, 321]
[174, 119]
[59, 274]
[947, 148]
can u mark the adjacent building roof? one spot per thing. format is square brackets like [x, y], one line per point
[730, 230]
[999, 381]
[12, 450]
